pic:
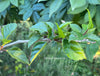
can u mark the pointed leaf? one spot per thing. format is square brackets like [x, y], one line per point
[14, 2]
[18, 55]
[53, 9]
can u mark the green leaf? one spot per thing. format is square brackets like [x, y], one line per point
[93, 37]
[64, 25]
[41, 0]
[5, 41]
[37, 53]
[18, 55]
[41, 27]
[94, 2]
[21, 1]
[33, 39]
[97, 18]
[8, 29]
[73, 50]
[14, 2]
[90, 25]
[60, 32]
[55, 6]
[75, 28]
[77, 3]
[27, 14]
[4, 5]
[91, 50]
[92, 9]
[51, 25]
[77, 10]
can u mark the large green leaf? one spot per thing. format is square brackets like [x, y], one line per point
[91, 50]
[14, 2]
[18, 55]
[73, 50]
[77, 10]
[75, 28]
[41, 27]
[97, 18]
[4, 4]
[55, 6]
[34, 54]
[8, 29]
[77, 3]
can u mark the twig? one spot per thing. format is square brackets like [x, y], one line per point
[16, 42]
[85, 40]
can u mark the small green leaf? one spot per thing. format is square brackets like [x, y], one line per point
[14, 2]
[8, 29]
[90, 25]
[18, 55]
[4, 4]
[75, 28]
[60, 32]
[64, 25]
[55, 6]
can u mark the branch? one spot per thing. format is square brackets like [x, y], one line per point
[85, 40]
[16, 42]
[22, 41]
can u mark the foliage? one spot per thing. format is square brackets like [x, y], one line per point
[72, 25]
